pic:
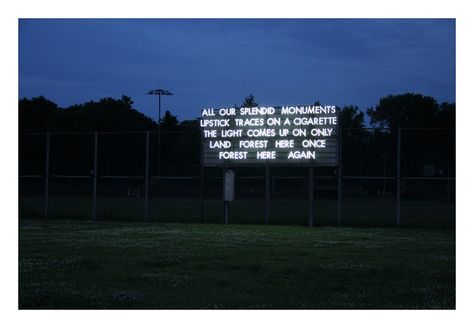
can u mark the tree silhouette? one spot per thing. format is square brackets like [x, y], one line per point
[40, 115]
[447, 115]
[350, 117]
[433, 146]
[250, 101]
[37, 114]
[169, 122]
[354, 139]
[406, 110]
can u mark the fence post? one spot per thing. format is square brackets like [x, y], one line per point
[339, 177]
[449, 185]
[267, 194]
[399, 133]
[201, 191]
[159, 138]
[147, 156]
[46, 178]
[226, 203]
[311, 196]
[94, 177]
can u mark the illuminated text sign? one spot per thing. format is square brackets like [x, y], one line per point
[305, 135]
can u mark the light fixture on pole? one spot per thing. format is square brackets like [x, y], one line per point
[159, 93]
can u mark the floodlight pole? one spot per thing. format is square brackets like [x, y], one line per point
[159, 93]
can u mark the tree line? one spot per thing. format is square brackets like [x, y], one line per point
[39, 114]
[428, 136]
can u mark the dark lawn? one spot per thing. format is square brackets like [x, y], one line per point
[83, 264]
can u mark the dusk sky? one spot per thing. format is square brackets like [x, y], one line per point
[216, 63]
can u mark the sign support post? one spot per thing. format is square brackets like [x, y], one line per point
[229, 183]
[226, 212]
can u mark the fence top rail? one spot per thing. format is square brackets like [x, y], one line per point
[427, 178]
[241, 177]
[120, 176]
[69, 176]
[55, 132]
[32, 133]
[367, 177]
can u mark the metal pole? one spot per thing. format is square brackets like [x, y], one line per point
[226, 212]
[267, 194]
[449, 186]
[46, 178]
[273, 185]
[339, 179]
[384, 174]
[159, 107]
[147, 157]
[201, 193]
[159, 134]
[311, 196]
[226, 205]
[399, 133]
[94, 177]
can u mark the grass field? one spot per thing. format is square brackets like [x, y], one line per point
[83, 264]
[370, 212]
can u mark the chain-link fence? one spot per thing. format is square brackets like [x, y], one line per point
[386, 177]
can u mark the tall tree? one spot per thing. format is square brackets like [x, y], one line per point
[406, 110]
[250, 101]
[354, 138]
[447, 115]
[433, 146]
[350, 117]
[37, 114]
[169, 122]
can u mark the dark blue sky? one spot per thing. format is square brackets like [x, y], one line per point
[214, 63]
